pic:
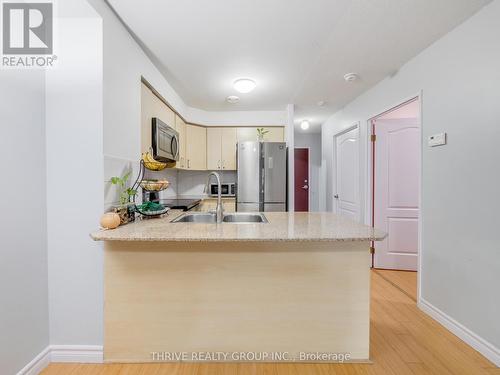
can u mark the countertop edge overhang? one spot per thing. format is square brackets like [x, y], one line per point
[282, 227]
[98, 238]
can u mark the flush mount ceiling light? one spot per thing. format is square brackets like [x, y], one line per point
[244, 85]
[304, 125]
[351, 77]
[232, 99]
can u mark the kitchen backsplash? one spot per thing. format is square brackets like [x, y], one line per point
[167, 174]
[182, 182]
[192, 183]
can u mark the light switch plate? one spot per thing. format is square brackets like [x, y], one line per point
[437, 140]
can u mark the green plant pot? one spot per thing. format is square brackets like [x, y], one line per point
[126, 213]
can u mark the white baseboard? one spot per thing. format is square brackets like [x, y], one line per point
[481, 345]
[37, 364]
[94, 353]
[63, 353]
[76, 353]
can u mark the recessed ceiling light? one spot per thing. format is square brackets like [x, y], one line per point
[304, 125]
[244, 85]
[233, 99]
[351, 77]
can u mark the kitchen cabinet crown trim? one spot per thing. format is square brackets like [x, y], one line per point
[156, 93]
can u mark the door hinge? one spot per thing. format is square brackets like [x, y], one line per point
[372, 250]
[373, 137]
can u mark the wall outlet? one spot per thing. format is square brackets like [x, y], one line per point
[437, 140]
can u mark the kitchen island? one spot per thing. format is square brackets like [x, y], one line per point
[284, 290]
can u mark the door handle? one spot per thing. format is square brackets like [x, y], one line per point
[305, 187]
[189, 164]
[336, 196]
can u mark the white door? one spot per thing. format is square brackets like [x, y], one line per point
[396, 196]
[346, 195]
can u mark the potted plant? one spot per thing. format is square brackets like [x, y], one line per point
[126, 209]
[261, 132]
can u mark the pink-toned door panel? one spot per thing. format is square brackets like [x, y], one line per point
[396, 195]
[347, 174]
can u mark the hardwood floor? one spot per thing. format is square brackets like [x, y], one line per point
[404, 340]
[404, 280]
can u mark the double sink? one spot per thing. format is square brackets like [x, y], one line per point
[211, 217]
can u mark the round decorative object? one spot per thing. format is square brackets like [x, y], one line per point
[351, 77]
[152, 164]
[154, 185]
[232, 99]
[110, 220]
[244, 85]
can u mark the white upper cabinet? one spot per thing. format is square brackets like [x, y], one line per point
[196, 147]
[200, 148]
[221, 148]
[214, 148]
[152, 106]
[180, 126]
[228, 148]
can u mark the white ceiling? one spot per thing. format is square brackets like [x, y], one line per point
[297, 50]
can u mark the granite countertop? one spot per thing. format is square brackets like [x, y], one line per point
[282, 226]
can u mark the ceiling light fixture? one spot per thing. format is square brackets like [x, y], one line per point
[304, 125]
[232, 99]
[350, 77]
[244, 85]
[321, 103]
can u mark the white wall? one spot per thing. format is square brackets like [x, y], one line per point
[236, 118]
[313, 141]
[93, 133]
[75, 179]
[124, 65]
[460, 79]
[24, 329]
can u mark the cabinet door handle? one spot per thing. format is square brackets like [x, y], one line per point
[223, 166]
[189, 164]
[218, 164]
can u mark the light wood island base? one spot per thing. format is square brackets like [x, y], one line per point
[236, 297]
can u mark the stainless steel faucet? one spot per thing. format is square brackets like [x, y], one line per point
[219, 210]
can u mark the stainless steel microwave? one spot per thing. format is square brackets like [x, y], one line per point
[227, 189]
[165, 141]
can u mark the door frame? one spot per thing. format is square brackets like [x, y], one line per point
[308, 175]
[356, 125]
[369, 174]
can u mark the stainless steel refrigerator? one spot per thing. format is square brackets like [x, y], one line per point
[261, 177]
